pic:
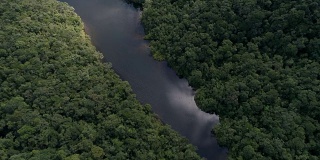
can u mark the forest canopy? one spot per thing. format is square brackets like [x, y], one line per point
[255, 63]
[59, 101]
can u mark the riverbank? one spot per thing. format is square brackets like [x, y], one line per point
[59, 101]
[252, 64]
[153, 82]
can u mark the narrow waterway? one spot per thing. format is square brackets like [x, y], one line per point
[115, 29]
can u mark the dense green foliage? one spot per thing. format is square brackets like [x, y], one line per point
[253, 62]
[58, 101]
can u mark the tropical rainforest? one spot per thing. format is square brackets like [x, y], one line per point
[255, 63]
[59, 101]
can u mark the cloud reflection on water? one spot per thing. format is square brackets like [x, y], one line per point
[116, 31]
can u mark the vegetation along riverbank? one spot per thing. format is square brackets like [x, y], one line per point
[254, 63]
[59, 101]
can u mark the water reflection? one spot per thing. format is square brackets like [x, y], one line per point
[115, 29]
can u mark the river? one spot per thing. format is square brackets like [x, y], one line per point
[115, 29]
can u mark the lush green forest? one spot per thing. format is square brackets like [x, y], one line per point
[255, 63]
[59, 101]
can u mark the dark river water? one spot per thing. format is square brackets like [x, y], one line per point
[115, 29]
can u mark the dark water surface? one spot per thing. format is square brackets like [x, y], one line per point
[115, 29]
